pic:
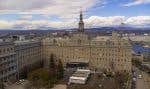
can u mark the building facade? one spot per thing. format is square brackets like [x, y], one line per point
[112, 54]
[8, 66]
[28, 55]
[19, 57]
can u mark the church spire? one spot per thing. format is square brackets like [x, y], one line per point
[81, 23]
[81, 16]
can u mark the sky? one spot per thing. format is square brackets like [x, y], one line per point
[60, 14]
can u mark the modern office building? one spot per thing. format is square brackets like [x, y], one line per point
[28, 55]
[8, 62]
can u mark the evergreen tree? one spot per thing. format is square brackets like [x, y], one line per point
[52, 69]
[60, 70]
[51, 62]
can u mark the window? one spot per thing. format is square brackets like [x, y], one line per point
[7, 49]
[79, 41]
[4, 50]
[11, 48]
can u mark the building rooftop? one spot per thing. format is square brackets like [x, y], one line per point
[101, 38]
[25, 42]
[5, 43]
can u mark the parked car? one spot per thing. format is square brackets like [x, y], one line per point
[139, 76]
[134, 79]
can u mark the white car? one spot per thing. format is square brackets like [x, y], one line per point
[139, 76]
[134, 79]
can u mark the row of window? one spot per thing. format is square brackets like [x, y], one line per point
[27, 46]
[8, 77]
[8, 70]
[6, 50]
[111, 59]
[74, 49]
[109, 54]
[113, 66]
[7, 59]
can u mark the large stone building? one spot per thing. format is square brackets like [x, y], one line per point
[112, 54]
[8, 66]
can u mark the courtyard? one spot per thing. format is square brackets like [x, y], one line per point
[95, 81]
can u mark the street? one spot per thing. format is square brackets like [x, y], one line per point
[144, 82]
[14, 86]
[140, 84]
[146, 79]
[17, 86]
[60, 86]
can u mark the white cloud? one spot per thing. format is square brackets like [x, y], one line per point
[5, 24]
[137, 2]
[36, 24]
[93, 21]
[26, 17]
[60, 8]
[96, 21]
[138, 20]
[23, 5]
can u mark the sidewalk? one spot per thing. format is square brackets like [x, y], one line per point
[60, 86]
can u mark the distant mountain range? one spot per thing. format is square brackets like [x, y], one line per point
[99, 29]
[124, 29]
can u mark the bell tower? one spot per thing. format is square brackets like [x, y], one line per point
[81, 23]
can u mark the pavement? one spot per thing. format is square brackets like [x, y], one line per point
[60, 86]
[21, 86]
[17, 86]
[144, 82]
[146, 79]
[140, 84]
